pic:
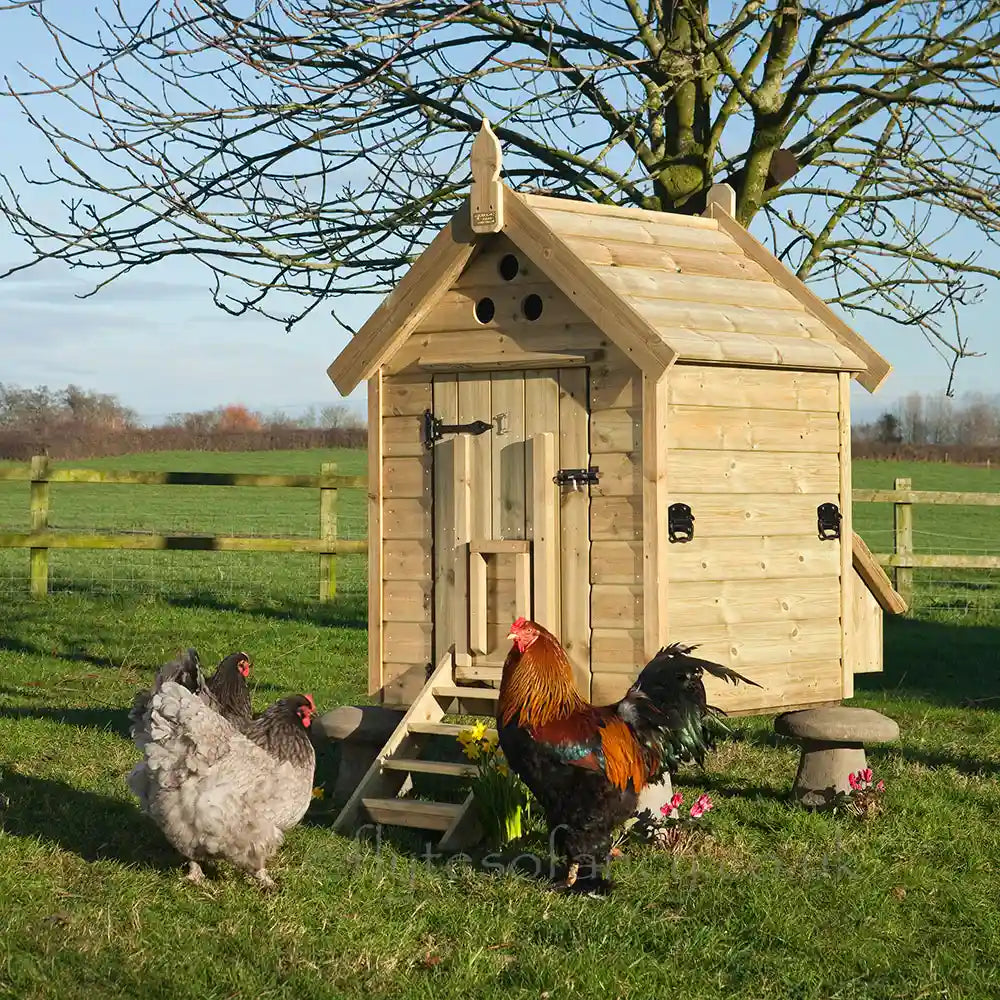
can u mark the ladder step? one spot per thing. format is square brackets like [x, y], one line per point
[466, 693]
[429, 767]
[480, 672]
[413, 812]
[442, 729]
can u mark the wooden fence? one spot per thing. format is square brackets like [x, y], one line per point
[903, 560]
[40, 539]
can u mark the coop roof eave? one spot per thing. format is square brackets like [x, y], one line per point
[405, 306]
[877, 367]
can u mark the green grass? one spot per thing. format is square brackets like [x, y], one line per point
[775, 903]
[238, 578]
[944, 529]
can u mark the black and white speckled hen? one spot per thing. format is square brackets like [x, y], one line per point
[219, 794]
[226, 691]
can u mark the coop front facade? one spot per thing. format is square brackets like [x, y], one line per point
[633, 427]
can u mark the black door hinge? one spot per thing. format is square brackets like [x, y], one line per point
[577, 478]
[435, 429]
[828, 518]
[680, 523]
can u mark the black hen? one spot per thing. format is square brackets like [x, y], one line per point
[229, 686]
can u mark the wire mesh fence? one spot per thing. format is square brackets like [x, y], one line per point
[952, 530]
[231, 578]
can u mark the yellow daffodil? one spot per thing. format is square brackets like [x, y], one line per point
[472, 751]
[478, 731]
[503, 769]
[490, 743]
[318, 792]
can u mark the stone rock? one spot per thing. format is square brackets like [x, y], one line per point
[839, 724]
[833, 747]
[360, 723]
[360, 732]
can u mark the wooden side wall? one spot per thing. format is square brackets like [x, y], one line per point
[616, 563]
[406, 611]
[865, 648]
[754, 452]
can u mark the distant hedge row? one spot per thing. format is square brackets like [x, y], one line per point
[67, 443]
[960, 454]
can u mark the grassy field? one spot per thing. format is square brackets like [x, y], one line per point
[773, 903]
[236, 577]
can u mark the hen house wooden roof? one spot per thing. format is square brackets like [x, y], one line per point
[662, 287]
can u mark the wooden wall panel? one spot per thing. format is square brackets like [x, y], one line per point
[616, 565]
[406, 529]
[755, 388]
[757, 557]
[739, 429]
[728, 472]
[865, 646]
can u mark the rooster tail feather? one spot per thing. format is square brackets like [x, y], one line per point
[726, 674]
[667, 707]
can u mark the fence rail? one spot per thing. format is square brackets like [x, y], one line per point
[41, 538]
[903, 560]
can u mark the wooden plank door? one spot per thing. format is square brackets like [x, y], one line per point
[484, 490]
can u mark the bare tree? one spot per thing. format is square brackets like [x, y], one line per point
[308, 147]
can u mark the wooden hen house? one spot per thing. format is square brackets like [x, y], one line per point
[631, 426]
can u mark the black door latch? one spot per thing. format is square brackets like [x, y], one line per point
[577, 478]
[435, 429]
[680, 523]
[828, 518]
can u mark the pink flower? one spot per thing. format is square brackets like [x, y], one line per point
[669, 808]
[701, 806]
[866, 775]
[852, 780]
[880, 787]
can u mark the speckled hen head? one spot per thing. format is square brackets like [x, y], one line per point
[524, 633]
[304, 707]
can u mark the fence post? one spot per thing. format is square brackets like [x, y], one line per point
[902, 523]
[39, 503]
[328, 532]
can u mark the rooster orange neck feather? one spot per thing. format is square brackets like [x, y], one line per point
[537, 685]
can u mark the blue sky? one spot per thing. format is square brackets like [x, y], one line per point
[155, 340]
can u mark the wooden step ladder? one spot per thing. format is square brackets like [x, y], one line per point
[379, 798]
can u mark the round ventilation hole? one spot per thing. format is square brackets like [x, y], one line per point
[532, 307]
[509, 266]
[485, 310]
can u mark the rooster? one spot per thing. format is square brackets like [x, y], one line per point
[218, 793]
[586, 764]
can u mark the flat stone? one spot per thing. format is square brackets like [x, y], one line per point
[838, 725]
[360, 724]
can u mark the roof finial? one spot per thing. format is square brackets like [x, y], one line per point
[487, 191]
